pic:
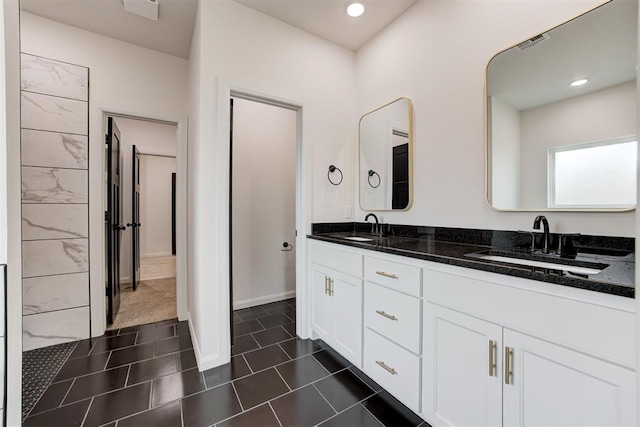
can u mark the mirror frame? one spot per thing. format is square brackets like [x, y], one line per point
[411, 177]
[487, 148]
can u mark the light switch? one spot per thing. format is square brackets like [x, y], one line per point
[347, 211]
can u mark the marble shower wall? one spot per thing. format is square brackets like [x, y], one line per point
[55, 201]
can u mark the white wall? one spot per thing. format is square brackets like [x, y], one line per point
[505, 155]
[605, 114]
[124, 78]
[260, 54]
[263, 202]
[151, 138]
[11, 113]
[436, 54]
[155, 205]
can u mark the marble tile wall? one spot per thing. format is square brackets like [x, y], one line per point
[55, 201]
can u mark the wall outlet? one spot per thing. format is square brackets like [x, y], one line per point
[347, 211]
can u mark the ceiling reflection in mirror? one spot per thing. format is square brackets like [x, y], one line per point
[385, 157]
[555, 144]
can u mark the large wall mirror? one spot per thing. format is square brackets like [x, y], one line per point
[561, 116]
[386, 139]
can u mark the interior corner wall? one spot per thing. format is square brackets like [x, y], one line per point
[123, 76]
[425, 56]
[11, 118]
[267, 56]
[505, 155]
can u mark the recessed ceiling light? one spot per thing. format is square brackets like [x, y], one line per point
[579, 82]
[355, 9]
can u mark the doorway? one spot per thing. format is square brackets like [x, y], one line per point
[145, 281]
[263, 170]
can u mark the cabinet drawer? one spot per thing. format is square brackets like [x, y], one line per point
[403, 277]
[394, 315]
[330, 255]
[394, 368]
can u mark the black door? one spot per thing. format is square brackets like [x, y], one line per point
[135, 217]
[173, 214]
[113, 219]
[400, 188]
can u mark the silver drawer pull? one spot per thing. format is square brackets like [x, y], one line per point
[388, 316]
[388, 369]
[385, 274]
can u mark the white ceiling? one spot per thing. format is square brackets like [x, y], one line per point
[600, 45]
[328, 18]
[172, 32]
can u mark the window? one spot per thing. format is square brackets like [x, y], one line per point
[593, 175]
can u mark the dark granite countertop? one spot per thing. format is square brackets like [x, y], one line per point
[617, 278]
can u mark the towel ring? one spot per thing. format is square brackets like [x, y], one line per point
[372, 173]
[332, 169]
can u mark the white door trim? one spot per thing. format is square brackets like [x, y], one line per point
[227, 90]
[97, 263]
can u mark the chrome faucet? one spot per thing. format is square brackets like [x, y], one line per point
[374, 227]
[545, 226]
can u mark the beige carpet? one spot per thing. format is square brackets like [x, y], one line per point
[157, 267]
[153, 301]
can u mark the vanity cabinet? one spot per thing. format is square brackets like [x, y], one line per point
[336, 309]
[498, 355]
[393, 333]
[466, 347]
[462, 383]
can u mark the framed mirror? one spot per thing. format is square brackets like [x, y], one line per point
[386, 145]
[561, 116]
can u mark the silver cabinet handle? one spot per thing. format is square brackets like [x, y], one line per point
[387, 368]
[326, 285]
[508, 368]
[385, 274]
[388, 316]
[330, 287]
[493, 347]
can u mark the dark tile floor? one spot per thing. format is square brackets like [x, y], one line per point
[147, 376]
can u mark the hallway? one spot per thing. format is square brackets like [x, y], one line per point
[147, 376]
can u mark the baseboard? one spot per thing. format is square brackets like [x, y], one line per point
[204, 362]
[251, 302]
[156, 255]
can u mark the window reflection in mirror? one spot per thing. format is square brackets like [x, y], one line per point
[534, 111]
[385, 157]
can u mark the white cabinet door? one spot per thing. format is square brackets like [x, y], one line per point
[554, 386]
[462, 382]
[321, 311]
[347, 304]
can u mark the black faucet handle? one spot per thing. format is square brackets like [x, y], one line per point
[532, 249]
[565, 244]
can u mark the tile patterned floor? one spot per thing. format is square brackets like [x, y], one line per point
[147, 376]
[39, 366]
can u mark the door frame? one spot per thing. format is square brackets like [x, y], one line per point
[227, 90]
[97, 208]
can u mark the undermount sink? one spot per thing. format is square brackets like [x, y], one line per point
[583, 269]
[357, 238]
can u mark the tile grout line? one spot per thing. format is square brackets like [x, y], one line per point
[282, 378]
[126, 381]
[237, 397]
[181, 413]
[325, 399]
[371, 413]
[67, 393]
[86, 414]
[274, 413]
